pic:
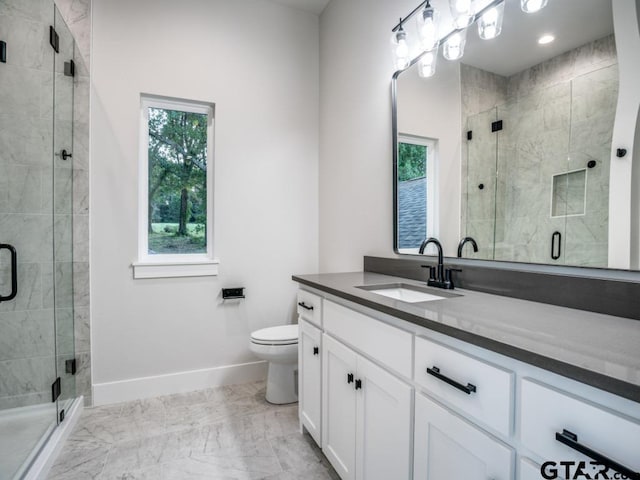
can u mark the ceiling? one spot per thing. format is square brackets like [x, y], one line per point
[313, 6]
[572, 22]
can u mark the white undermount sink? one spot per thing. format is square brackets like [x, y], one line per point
[406, 293]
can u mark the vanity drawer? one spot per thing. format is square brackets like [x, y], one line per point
[546, 412]
[386, 344]
[310, 307]
[479, 389]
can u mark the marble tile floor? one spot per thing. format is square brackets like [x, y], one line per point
[228, 432]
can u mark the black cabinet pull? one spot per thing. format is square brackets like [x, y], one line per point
[305, 306]
[14, 272]
[349, 377]
[435, 371]
[571, 440]
[358, 384]
[556, 250]
[316, 350]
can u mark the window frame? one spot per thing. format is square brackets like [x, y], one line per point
[173, 265]
[432, 184]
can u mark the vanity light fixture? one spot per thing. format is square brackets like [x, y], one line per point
[490, 23]
[545, 39]
[489, 18]
[427, 64]
[428, 21]
[532, 6]
[399, 47]
[454, 45]
[462, 12]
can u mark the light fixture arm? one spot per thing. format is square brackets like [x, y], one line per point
[413, 12]
[476, 16]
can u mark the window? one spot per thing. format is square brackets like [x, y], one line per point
[417, 213]
[175, 233]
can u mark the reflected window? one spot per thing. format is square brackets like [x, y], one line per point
[416, 191]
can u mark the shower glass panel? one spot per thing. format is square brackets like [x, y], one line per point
[593, 108]
[64, 69]
[36, 326]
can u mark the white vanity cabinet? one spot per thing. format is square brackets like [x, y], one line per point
[310, 379]
[447, 447]
[396, 402]
[366, 431]
[310, 363]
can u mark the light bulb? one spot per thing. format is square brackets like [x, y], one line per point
[427, 64]
[462, 12]
[400, 49]
[532, 6]
[454, 46]
[428, 21]
[490, 23]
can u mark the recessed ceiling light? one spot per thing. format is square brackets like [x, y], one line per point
[543, 40]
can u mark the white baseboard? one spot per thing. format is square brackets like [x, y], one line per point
[146, 387]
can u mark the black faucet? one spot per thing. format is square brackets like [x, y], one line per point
[440, 278]
[465, 240]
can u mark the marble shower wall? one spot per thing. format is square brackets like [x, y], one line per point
[557, 117]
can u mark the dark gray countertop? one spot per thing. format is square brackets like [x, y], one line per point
[600, 350]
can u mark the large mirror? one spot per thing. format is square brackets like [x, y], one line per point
[515, 144]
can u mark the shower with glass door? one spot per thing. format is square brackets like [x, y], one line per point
[37, 358]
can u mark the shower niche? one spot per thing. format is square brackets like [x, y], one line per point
[37, 353]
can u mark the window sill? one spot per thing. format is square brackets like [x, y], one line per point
[171, 269]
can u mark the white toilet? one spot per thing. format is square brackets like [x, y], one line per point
[279, 346]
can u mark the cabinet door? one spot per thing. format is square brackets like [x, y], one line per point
[447, 447]
[339, 406]
[383, 429]
[310, 379]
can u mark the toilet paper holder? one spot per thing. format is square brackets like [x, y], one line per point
[232, 293]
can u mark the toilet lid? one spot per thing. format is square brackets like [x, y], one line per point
[283, 334]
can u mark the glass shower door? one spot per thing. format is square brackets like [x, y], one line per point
[36, 222]
[479, 206]
[27, 333]
[64, 76]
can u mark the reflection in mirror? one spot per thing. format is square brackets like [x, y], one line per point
[530, 134]
[416, 191]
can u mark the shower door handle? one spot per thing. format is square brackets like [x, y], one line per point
[14, 272]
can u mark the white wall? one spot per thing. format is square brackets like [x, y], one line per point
[356, 200]
[258, 62]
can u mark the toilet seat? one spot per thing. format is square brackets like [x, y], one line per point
[280, 335]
